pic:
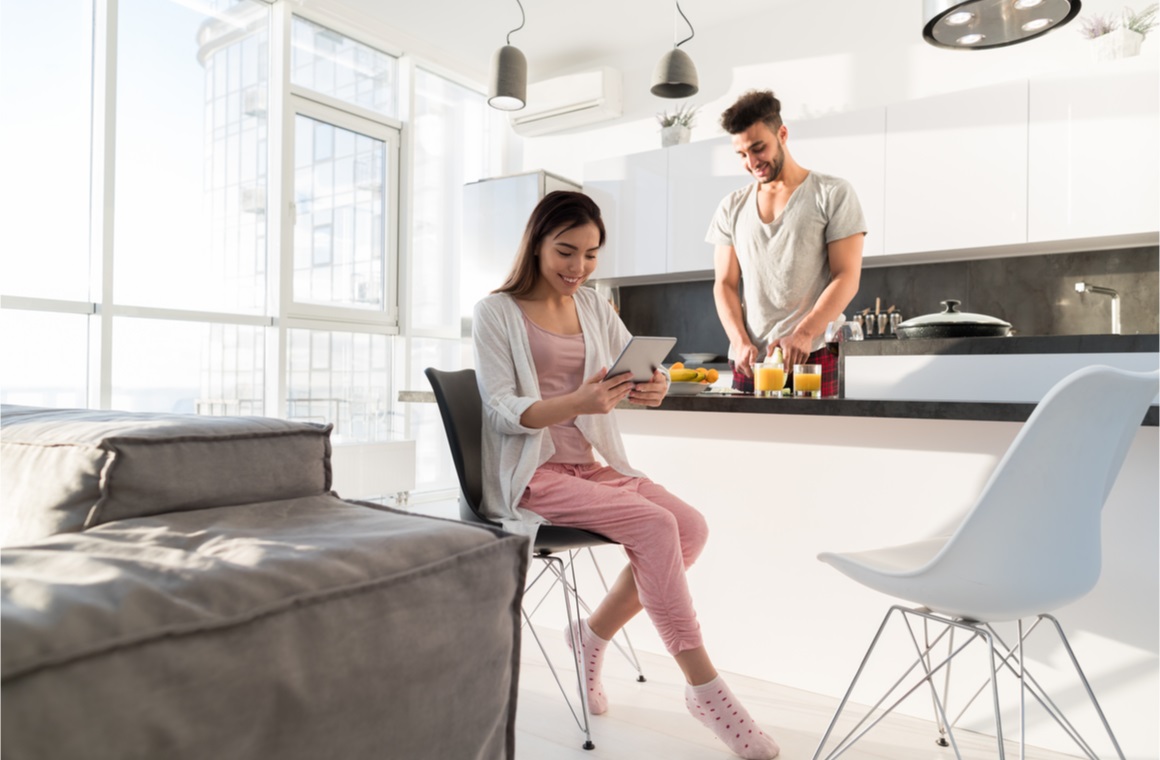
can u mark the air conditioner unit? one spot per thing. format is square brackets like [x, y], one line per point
[570, 101]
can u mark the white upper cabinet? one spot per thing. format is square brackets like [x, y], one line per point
[632, 192]
[852, 146]
[956, 170]
[701, 174]
[1094, 156]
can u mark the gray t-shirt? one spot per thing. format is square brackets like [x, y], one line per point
[784, 264]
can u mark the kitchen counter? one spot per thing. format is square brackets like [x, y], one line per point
[837, 407]
[903, 363]
[1013, 344]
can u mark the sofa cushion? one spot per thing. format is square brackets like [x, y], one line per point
[68, 469]
[302, 628]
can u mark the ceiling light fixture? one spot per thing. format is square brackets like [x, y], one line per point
[507, 88]
[986, 24]
[675, 75]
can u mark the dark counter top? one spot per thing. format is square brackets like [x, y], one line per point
[1014, 344]
[834, 407]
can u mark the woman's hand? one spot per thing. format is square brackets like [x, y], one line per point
[600, 395]
[651, 393]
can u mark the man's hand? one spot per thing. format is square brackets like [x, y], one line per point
[746, 354]
[795, 348]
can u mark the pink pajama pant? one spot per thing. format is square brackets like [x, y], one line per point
[661, 534]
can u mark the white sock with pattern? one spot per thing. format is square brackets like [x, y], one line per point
[715, 706]
[593, 648]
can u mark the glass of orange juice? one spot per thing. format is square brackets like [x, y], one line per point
[768, 378]
[807, 380]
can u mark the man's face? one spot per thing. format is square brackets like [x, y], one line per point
[762, 151]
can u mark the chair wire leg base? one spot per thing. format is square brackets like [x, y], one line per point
[1002, 657]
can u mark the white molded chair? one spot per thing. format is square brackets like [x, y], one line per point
[1029, 545]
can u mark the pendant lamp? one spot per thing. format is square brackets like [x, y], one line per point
[508, 84]
[675, 75]
[984, 24]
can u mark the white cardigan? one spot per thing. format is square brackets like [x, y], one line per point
[508, 385]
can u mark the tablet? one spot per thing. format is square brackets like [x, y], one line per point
[641, 357]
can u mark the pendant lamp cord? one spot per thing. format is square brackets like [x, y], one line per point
[524, 18]
[686, 18]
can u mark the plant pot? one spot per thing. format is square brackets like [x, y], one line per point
[677, 134]
[1119, 43]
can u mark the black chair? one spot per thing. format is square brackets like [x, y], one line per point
[457, 396]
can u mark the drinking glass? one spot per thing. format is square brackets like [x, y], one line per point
[768, 379]
[807, 380]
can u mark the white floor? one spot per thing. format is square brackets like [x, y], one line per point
[648, 720]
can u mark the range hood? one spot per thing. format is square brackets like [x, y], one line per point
[984, 24]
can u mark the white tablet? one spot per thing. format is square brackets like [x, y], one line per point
[641, 357]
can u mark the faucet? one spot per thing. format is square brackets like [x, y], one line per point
[1087, 287]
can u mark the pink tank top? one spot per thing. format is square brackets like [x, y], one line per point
[559, 361]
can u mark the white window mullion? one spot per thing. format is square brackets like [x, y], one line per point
[406, 175]
[102, 199]
[281, 222]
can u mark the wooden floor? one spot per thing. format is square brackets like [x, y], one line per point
[648, 720]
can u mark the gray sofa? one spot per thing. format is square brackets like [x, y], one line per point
[189, 587]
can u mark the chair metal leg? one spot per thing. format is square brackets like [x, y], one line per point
[1087, 687]
[993, 675]
[556, 565]
[1030, 685]
[929, 673]
[630, 654]
[943, 728]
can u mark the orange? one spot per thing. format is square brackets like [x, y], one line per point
[677, 365]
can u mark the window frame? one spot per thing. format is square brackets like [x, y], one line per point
[313, 107]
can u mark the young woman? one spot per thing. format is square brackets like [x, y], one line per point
[543, 344]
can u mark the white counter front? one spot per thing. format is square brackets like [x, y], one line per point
[778, 489]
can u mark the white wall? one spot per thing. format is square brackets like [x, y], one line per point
[818, 63]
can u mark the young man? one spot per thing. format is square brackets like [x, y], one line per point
[788, 253]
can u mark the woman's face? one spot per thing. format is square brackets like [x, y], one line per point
[567, 257]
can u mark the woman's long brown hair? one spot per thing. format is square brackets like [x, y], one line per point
[560, 208]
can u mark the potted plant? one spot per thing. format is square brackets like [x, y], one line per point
[1114, 37]
[676, 127]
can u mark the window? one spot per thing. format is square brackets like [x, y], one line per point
[331, 64]
[33, 376]
[191, 125]
[345, 212]
[46, 53]
[188, 367]
[235, 262]
[342, 378]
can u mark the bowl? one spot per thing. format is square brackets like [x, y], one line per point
[697, 358]
[687, 388]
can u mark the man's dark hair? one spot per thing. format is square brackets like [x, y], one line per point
[750, 108]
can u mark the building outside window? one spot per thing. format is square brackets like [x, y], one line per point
[166, 259]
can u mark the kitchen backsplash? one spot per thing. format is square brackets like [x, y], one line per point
[1036, 294]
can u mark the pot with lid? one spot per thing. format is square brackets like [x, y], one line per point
[952, 323]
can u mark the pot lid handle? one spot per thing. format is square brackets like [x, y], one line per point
[951, 306]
